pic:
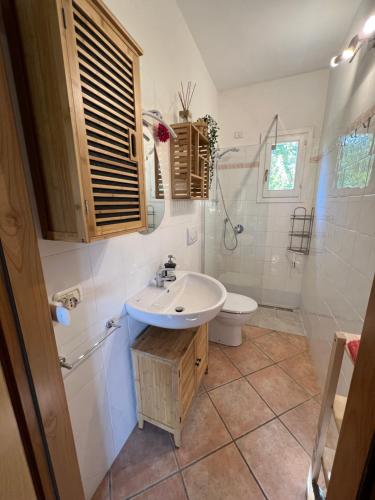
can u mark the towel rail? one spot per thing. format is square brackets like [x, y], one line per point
[111, 326]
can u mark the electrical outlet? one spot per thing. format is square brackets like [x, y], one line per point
[238, 134]
[69, 298]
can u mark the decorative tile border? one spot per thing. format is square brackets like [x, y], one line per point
[225, 166]
[255, 164]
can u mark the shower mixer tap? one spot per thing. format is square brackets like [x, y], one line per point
[238, 228]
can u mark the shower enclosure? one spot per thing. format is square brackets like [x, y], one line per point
[260, 265]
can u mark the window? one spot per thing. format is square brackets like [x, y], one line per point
[281, 168]
[353, 162]
[281, 174]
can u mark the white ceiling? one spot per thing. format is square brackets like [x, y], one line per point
[248, 41]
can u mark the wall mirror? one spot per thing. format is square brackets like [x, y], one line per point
[154, 188]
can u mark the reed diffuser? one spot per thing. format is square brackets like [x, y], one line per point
[186, 96]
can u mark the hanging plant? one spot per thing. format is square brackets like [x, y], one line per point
[213, 130]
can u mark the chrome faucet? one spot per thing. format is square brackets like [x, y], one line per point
[164, 274]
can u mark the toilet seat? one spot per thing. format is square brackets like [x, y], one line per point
[238, 304]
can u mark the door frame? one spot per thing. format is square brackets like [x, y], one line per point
[352, 476]
[28, 349]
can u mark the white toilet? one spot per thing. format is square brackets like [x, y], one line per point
[236, 312]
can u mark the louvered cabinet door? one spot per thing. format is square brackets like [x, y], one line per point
[104, 70]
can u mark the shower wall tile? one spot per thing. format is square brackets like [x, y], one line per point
[340, 269]
[259, 266]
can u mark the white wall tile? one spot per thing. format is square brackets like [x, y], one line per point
[337, 280]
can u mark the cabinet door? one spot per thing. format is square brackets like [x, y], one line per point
[104, 71]
[201, 352]
[187, 380]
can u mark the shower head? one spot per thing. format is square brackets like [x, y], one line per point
[228, 150]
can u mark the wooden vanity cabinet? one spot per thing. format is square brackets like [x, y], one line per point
[82, 72]
[168, 370]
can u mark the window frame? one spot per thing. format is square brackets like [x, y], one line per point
[304, 138]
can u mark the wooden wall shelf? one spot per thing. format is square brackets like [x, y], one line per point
[189, 163]
[168, 369]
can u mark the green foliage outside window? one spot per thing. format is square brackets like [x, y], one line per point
[283, 166]
[354, 162]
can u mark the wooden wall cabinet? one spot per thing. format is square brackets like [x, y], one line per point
[168, 369]
[189, 163]
[82, 72]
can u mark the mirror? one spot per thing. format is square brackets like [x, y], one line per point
[154, 189]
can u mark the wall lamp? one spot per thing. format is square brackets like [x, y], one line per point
[366, 35]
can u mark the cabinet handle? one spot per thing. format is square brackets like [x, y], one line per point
[198, 362]
[133, 146]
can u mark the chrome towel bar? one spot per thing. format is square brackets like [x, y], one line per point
[111, 326]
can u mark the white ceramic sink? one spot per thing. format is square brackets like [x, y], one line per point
[198, 297]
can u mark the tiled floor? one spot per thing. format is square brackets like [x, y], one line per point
[278, 319]
[248, 434]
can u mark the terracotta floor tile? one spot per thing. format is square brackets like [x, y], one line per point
[302, 422]
[278, 462]
[169, 489]
[146, 458]
[250, 332]
[240, 407]
[277, 346]
[279, 390]
[299, 341]
[220, 371]
[202, 433]
[102, 493]
[300, 368]
[221, 476]
[213, 346]
[247, 357]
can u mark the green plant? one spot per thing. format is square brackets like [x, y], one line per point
[213, 130]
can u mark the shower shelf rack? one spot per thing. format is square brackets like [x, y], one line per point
[302, 234]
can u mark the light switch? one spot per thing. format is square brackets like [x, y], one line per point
[192, 235]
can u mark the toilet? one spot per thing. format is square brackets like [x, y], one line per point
[236, 312]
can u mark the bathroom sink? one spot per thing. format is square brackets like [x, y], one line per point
[191, 300]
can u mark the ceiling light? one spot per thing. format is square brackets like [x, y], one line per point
[335, 61]
[347, 53]
[358, 41]
[369, 27]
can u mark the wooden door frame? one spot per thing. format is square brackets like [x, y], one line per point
[28, 348]
[352, 476]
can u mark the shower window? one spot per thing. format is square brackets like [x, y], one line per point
[354, 162]
[281, 168]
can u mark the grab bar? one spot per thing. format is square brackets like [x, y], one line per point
[110, 325]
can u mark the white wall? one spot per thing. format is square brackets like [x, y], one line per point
[259, 266]
[100, 392]
[299, 100]
[340, 269]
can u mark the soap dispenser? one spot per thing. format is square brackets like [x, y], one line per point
[170, 267]
[170, 264]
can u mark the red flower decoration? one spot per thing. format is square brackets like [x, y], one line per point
[162, 133]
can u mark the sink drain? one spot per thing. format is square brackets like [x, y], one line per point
[179, 309]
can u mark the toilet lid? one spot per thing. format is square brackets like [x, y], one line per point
[239, 304]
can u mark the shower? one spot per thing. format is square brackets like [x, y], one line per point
[238, 228]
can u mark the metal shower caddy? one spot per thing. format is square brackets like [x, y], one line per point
[301, 232]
